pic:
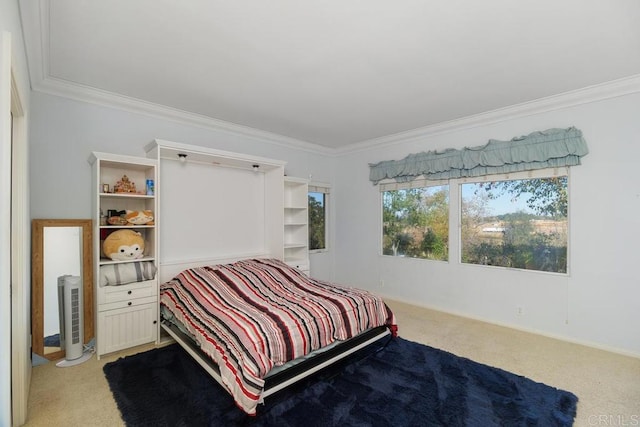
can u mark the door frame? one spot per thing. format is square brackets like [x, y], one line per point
[14, 245]
[20, 262]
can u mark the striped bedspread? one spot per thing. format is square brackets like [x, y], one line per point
[252, 315]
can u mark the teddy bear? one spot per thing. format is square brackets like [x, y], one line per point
[123, 245]
[139, 217]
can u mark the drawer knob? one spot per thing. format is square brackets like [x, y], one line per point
[129, 303]
[155, 321]
[129, 292]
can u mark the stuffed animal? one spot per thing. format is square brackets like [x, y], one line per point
[123, 245]
[139, 217]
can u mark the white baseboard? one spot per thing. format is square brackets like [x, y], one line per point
[564, 338]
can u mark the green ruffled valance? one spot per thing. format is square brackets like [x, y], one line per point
[538, 150]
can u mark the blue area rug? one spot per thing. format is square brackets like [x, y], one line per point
[52, 341]
[401, 384]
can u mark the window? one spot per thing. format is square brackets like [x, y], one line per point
[415, 222]
[318, 198]
[517, 223]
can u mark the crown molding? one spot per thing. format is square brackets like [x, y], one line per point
[92, 95]
[62, 88]
[612, 89]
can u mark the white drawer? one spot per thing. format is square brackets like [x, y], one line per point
[304, 266]
[129, 291]
[133, 302]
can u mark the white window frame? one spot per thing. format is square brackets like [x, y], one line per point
[320, 187]
[534, 174]
[390, 185]
[455, 211]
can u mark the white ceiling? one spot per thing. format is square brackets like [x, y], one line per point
[332, 72]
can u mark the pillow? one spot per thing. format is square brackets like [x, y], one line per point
[123, 273]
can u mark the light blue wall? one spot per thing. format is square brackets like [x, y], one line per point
[597, 304]
[64, 132]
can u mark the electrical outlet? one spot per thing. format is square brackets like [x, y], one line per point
[382, 283]
[520, 310]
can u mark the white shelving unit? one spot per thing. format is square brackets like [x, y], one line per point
[126, 315]
[296, 223]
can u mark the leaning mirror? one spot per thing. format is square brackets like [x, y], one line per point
[61, 248]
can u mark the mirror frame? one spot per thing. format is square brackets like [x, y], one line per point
[37, 281]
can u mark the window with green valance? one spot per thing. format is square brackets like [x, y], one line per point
[539, 150]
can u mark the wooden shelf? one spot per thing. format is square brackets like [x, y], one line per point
[107, 261]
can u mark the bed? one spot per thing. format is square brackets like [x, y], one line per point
[258, 325]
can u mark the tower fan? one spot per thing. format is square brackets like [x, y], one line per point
[71, 315]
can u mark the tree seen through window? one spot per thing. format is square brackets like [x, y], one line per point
[415, 222]
[317, 221]
[516, 223]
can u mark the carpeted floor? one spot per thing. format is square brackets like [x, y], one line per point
[608, 384]
[402, 384]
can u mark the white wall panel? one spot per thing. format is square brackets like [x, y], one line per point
[206, 215]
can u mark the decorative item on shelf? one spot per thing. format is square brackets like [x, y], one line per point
[105, 188]
[139, 217]
[123, 245]
[150, 187]
[124, 186]
[117, 220]
[116, 217]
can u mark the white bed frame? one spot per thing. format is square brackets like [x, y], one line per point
[170, 270]
[209, 366]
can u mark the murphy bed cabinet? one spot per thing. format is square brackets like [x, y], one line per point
[296, 223]
[216, 205]
[127, 314]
